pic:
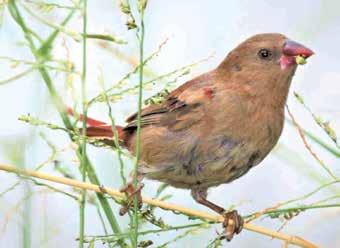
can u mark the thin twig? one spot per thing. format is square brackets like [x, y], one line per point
[180, 236]
[140, 35]
[83, 158]
[161, 204]
[76, 36]
[113, 237]
[10, 188]
[308, 146]
[325, 125]
[114, 131]
[117, 95]
[327, 147]
[17, 76]
[118, 85]
[74, 197]
[53, 5]
[40, 55]
[279, 205]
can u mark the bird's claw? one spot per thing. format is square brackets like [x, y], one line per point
[233, 224]
[131, 191]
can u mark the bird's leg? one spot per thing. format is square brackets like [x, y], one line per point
[233, 222]
[132, 191]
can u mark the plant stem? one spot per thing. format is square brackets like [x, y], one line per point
[52, 5]
[279, 206]
[61, 107]
[317, 140]
[17, 76]
[108, 238]
[305, 196]
[115, 133]
[138, 143]
[302, 208]
[315, 156]
[127, 76]
[161, 204]
[26, 227]
[76, 36]
[83, 164]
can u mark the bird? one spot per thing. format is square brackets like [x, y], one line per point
[214, 128]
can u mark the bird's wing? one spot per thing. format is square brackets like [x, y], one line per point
[181, 109]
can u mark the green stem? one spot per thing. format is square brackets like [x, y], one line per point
[76, 36]
[310, 193]
[128, 75]
[37, 183]
[181, 71]
[83, 140]
[46, 46]
[308, 147]
[138, 138]
[35, 65]
[17, 76]
[104, 203]
[296, 209]
[302, 208]
[327, 199]
[102, 221]
[61, 107]
[27, 218]
[112, 238]
[105, 37]
[52, 5]
[300, 198]
[115, 134]
[12, 187]
[335, 152]
[320, 142]
[322, 124]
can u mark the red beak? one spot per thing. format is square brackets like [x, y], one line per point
[292, 48]
[290, 51]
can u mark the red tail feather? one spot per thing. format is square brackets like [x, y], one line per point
[98, 128]
[89, 121]
[99, 131]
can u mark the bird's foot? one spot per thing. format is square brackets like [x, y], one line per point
[131, 192]
[233, 224]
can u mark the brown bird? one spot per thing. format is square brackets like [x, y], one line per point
[217, 126]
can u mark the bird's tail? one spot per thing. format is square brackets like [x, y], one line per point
[99, 129]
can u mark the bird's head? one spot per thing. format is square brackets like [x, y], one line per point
[264, 64]
[269, 51]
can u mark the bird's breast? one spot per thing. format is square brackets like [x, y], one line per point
[238, 138]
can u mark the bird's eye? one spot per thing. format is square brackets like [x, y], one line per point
[265, 54]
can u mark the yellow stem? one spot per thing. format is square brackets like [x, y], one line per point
[295, 240]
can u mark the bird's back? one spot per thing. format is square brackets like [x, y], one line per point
[216, 132]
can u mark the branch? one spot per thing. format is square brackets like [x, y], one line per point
[295, 240]
[330, 173]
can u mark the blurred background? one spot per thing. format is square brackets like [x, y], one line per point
[33, 216]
